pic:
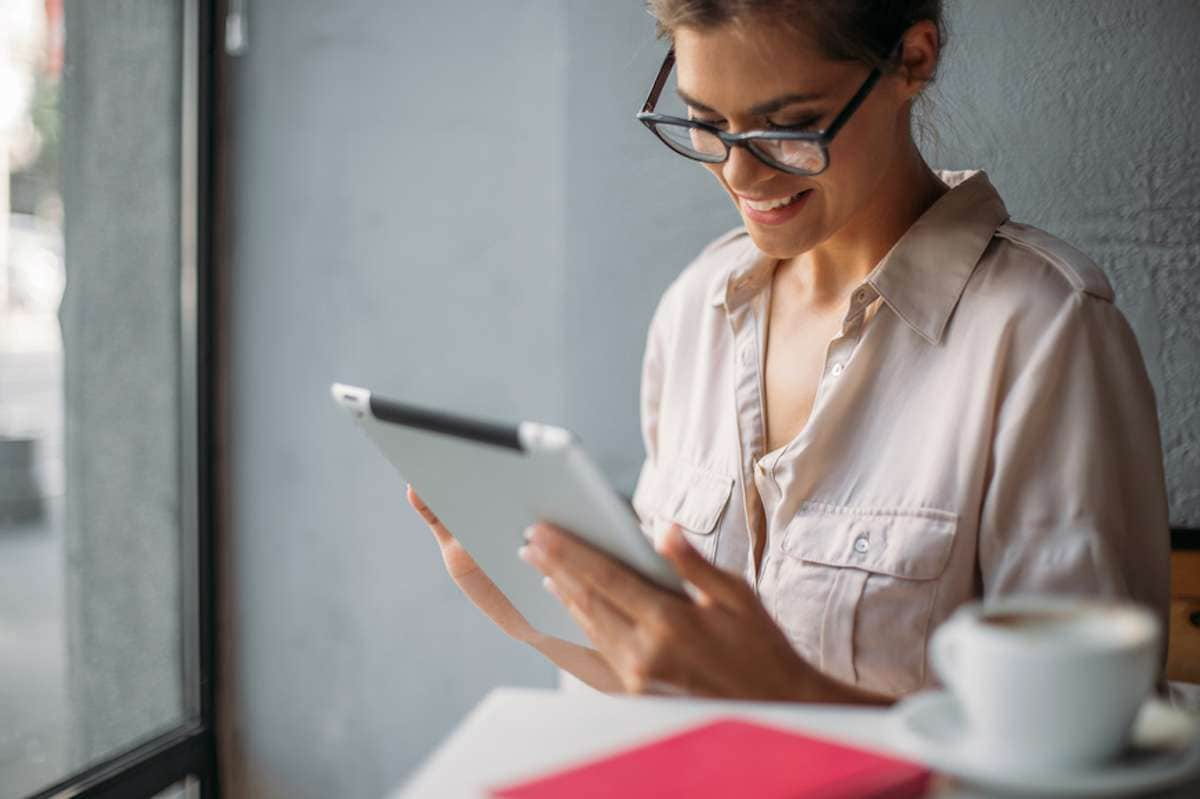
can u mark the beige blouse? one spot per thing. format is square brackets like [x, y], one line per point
[984, 425]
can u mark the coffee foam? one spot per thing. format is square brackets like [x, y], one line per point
[1087, 624]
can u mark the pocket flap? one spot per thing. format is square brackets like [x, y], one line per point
[680, 492]
[912, 543]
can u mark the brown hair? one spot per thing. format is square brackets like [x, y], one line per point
[845, 30]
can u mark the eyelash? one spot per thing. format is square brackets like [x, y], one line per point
[806, 124]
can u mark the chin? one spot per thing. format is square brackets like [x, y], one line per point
[776, 243]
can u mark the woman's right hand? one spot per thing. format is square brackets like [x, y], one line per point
[478, 587]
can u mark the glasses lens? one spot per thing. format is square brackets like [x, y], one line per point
[692, 142]
[796, 155]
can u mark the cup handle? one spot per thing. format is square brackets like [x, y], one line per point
[943, 651]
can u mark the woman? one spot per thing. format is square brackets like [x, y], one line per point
[878, 399]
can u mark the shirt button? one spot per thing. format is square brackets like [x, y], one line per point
[837, 369]
[861, 545]
[860, 295]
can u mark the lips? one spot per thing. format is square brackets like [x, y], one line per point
[770, 205]
[774, 211]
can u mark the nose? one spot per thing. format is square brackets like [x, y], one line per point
[742, 171]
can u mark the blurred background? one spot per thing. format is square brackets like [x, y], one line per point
[210, 211]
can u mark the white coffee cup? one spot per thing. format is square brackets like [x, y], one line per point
[1048, 682]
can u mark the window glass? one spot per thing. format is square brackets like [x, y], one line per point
[94, 556]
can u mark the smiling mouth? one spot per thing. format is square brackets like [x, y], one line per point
[771, 205]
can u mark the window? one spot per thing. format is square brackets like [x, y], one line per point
[105, 583]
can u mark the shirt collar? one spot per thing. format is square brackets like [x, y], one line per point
[922, 277]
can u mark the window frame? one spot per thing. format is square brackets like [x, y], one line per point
[189, 749]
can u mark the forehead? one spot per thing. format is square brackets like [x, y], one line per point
[733, 67]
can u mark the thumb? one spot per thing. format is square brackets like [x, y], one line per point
[716, 585]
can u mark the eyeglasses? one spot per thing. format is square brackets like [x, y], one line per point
[799, 152]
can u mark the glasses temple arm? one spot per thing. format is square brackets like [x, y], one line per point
[862, 92]
[853, 105]
[659, 82]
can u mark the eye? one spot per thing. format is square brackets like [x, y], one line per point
[809, 124]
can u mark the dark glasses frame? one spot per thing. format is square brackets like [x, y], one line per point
[821, 138]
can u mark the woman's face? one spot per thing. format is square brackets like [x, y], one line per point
[726, 71]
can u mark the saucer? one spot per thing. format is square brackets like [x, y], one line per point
[1164, 749]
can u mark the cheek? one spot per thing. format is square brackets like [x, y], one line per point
[861, 154]
[716, 170]
[849, 157]
[857, 165]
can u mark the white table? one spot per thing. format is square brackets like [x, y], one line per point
[516, 732]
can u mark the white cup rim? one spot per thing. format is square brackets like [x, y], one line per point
[1139, 625]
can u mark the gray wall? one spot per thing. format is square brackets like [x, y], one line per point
[399, 215]
[514, 275]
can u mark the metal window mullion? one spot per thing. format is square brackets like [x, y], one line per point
[187, 378]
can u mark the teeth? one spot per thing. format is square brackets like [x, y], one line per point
[767, 205]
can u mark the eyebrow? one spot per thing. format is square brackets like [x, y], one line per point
[762, 108]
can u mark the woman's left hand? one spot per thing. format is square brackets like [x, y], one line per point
[718, 642]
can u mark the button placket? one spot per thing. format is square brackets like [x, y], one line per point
[764, 468]
[761, 480]
[842, 347]
[747, 401]
[856, 313]
[862, 297]
[839, 354]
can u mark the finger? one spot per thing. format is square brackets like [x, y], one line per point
[614, 634]
[605, 625]
[439, 530]
[716, 586]
[570, 561]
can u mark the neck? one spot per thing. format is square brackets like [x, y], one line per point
[824, 276]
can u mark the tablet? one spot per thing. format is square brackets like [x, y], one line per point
[488, 481]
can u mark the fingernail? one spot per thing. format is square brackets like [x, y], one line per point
[528, 533]
[525, 553]
[548, 584]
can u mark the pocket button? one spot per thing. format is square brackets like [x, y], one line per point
[861, 545]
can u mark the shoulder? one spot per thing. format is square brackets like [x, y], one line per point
[1030, 285]
[693, 288]
[725, 240]
[1043, 297]
[1039, 260]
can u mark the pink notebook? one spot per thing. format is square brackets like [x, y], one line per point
[731, 757]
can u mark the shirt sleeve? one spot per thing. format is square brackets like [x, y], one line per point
[1076, 499]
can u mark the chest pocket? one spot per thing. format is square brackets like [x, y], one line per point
[855, 589]
[689, 495]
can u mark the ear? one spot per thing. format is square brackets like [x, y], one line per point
[919, 56]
